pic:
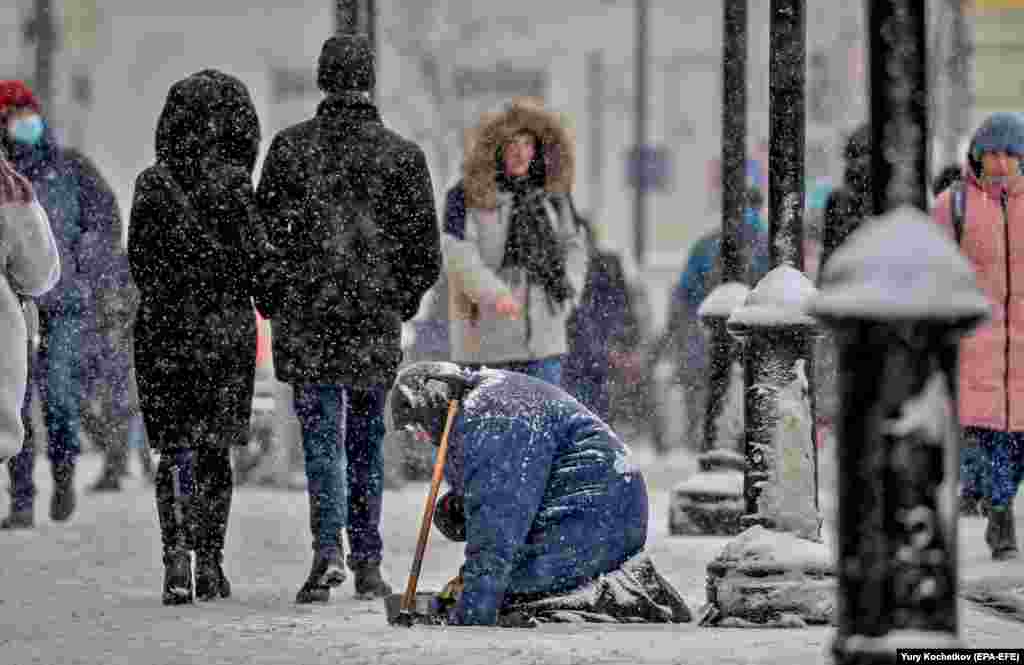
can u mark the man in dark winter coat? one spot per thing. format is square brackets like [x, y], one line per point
[194, 245]
[94, 279]
[543, 492]
[349, 206]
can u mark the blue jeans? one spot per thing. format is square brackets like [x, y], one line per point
[1006, 452]
[975, 471]
[363, 450]
[321, 410]
[55, 371]
[342, 432]
[546, 369]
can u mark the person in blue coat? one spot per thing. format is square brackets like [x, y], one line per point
[544, 493]
[94, 279]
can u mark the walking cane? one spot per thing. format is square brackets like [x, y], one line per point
[405, 616]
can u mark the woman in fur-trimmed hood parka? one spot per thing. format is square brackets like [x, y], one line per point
[515, 256]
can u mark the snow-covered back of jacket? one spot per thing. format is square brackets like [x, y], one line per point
[991, 379]
[551, 496]
[349, 204]
[476, 226]
[31, 261]
[193, 243]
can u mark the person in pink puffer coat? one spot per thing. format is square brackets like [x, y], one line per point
[991, 395]
[31, 266]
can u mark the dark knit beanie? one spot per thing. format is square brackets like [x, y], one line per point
[346, 63]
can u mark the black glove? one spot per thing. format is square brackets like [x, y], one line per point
[450, 517]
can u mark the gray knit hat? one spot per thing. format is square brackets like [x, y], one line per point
[346, 63]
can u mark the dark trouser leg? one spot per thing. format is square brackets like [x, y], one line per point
[363, 439]
[60, 392]
[321, 410]
[175, 493]
[214, 488]
[363, 436]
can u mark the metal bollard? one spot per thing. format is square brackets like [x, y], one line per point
[710, 502]
[780, 484]
[898, 295]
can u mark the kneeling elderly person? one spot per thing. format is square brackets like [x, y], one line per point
[543, 492]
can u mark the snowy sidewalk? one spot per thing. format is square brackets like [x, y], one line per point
[88, 593]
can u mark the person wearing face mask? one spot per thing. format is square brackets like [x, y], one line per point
[84, 217]
[515, 256]
[991, 237]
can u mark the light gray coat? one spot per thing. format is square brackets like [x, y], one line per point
[31, 267]
[477, 280]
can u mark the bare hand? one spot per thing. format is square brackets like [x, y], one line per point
[14, 187]
[508, 307]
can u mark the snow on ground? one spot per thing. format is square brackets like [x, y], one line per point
[88, 593]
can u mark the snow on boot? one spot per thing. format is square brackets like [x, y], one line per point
[177, 577]
[327, 571]
[175, 489]
[211, 583]
[62, 503]
[369, 584]
[19, 519]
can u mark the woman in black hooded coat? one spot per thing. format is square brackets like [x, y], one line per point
[193, 251]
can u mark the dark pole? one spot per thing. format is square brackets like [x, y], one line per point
[786, 117]
[640, 194]
[897, 36]
[961, 87]
[734, 136]
[721, 345]
[897, 538]
[358, 16]
[44, 33]
[779, 350]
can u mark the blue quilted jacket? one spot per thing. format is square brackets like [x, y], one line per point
[552, 499]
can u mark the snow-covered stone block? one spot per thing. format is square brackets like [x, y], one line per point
[771, 578]
[707, 503]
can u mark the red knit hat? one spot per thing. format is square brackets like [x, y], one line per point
[15, 94]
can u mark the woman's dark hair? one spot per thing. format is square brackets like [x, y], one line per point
[537, 176]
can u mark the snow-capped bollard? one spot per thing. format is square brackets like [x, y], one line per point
[898, 294]
[780, 485]
[710, 502]
[777, 573]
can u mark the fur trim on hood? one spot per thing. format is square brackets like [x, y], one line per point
[495, 129]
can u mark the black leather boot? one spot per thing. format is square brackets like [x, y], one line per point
[369, 583]
[62, 502]
[19, 519]
[327, 571]
[177, 577]
[213, 507]
[211, 583]
[174, 495]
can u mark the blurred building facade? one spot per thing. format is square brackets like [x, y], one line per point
[443, 62]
